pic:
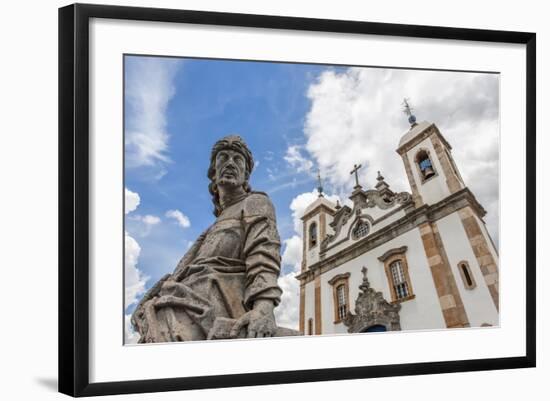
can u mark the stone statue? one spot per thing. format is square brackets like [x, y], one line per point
[225, 286]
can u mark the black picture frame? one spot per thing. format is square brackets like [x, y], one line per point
[74, 194]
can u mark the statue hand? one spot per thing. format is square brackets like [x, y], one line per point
[260, 321]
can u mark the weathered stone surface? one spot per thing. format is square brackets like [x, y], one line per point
[480, 247]
[450, 300]
[221, 330]
[225, 286]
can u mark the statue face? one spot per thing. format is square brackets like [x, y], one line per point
[230, 168]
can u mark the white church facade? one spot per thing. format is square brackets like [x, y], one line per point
[400, 261]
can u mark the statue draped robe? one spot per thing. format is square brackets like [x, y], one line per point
[235, 262]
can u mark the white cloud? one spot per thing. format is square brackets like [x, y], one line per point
[356, 117]
[181, 219]
[130, 335]
[146, 224]
[293, 183]
[287, 313]
[150, 220]
[149, 88]
[292, 255]
[131, 201]
[134, 279]
[298, 205]
[298, 161]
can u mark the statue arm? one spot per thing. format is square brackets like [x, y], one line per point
[261, 252]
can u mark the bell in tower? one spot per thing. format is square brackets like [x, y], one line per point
[425, 165]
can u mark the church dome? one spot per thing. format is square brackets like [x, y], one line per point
[413, 132]
[320, 201]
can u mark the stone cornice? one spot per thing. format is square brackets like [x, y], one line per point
[431, 129]
[418, 216]
[317, 209]
[391, 252]
[339, 277]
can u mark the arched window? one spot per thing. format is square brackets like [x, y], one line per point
[310, 327]
[425, 165]
[466, 274]
[312, 235]
[340, 296]
[399, 281]
[361, 230]
[397, 272]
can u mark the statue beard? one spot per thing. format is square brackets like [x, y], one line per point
[228, 182]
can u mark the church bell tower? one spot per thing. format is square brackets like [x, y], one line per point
[429, 164]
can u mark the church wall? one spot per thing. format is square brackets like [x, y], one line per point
[435, 188]
[328, 229]
[488, 238]
[309, 310]
[328, 220]
[422, 312]
[312, 255]
[388, 220]
[376, 212]
[341, 236]
[478, 302]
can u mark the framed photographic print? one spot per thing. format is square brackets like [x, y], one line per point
[238, 189]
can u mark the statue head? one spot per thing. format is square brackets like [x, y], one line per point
[231, 163]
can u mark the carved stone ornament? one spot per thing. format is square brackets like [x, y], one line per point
[371, 309]
[386, 200]
[382, 197]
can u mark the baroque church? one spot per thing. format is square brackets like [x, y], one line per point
[400, 261]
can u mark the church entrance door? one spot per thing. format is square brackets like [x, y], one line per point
[375, 328]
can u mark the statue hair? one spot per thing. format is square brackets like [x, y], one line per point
[230, 142]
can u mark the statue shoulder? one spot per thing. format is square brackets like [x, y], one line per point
[258, 203]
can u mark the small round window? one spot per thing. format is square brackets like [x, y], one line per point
[361, 230]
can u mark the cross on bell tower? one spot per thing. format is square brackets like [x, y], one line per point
[407, 109]
[320, 186]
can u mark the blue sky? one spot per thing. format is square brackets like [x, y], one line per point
[296, 118]
[262, 102]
